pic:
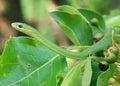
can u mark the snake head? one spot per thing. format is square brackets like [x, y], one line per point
[17, 25]
[24, 28]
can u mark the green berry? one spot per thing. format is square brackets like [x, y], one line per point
[110, 57]
[98, 37]
[114, 50]
[94, 22]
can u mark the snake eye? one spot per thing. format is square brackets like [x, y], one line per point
[20, 26]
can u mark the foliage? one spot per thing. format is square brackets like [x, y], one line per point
[102, 6]
[34, 61]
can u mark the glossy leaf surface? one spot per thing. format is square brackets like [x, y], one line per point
[75, 27]
[25, 62]
[91, 15]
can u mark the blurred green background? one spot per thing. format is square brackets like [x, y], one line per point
[36, 14]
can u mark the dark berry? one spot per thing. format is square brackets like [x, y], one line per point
[103, 66]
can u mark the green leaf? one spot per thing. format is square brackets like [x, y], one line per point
[25, 62]
[105, 76]
[72, 10]
[95, 73]
[69, 9]
[74, 76]
[75, 27]
[87, 74]
[113, 21]
[90, 15]
[113, 18]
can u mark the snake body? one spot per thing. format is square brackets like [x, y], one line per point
[104, 42]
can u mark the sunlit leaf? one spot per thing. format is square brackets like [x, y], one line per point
[69, 9]
[113, 21]
[87, 74]
[25, 62]
[74, 76]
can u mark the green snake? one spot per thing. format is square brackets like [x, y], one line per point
[30, 31]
